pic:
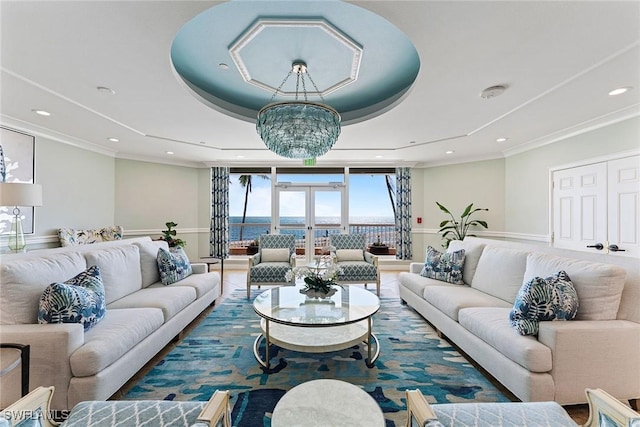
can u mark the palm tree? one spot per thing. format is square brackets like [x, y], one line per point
[245, 181]
[392, 191]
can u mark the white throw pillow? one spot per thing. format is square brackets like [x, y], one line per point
[350, 255]
[148, 260]
[599, 286]
[120, 270]
[500, 271]
[274, 255]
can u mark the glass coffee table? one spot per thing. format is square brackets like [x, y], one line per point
[293, 321]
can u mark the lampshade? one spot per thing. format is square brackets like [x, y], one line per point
[20, 194]
[298, 129]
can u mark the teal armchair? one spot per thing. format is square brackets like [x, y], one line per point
[276, 255]
[357, 265]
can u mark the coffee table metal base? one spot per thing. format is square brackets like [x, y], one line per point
[316, 339]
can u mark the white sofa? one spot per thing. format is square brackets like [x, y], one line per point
[566, 357]
[142, 315]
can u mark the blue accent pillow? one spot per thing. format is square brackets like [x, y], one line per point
[446, 267]
[553, 298]
[77, 300]
[173, 266]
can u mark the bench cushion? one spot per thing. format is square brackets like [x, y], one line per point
[492, 326]
[506, 414]
[113, 337]
[451, 299]
[171, 300]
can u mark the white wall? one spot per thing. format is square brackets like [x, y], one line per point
[77, 190]
[456, 186]
[527, 175]
[83, 189]
[148, 195]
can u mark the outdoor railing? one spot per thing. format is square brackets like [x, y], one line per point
[384, 233]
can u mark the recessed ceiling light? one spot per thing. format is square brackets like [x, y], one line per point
[113, 139]
[379, 157]
[42, 112]
[449, 152]
[169, 152]
[620, 91]
[240, 157]
[412, 142]
[503, 139]
[107, 90]
[223, 66]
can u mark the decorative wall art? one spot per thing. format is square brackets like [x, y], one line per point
[17, 150]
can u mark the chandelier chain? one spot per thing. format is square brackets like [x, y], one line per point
[314, 86]
[280, 87]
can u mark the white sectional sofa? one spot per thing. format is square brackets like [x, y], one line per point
[565, 357]
[142, 315]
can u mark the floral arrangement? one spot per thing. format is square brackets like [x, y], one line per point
[319, 279]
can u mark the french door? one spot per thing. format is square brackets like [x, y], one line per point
[311, 212]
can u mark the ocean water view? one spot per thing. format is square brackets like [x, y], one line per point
[257, 225]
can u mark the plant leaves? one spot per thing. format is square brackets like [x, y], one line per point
[442, 208]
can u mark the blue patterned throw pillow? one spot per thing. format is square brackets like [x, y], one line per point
[446, 267]
[553, 298]
[78, 300]
[173, 266]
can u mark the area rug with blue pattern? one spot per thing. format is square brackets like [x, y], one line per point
[218, 354]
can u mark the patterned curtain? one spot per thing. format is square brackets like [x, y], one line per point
[219, 237]
[403, 213]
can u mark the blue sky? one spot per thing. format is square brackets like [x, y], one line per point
[367, 197]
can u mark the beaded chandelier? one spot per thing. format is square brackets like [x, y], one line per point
[298, 129]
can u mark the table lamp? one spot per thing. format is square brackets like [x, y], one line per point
[19, 194]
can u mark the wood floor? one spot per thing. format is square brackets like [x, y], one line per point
[235, 280]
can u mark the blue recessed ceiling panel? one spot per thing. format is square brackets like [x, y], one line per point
[235, 55]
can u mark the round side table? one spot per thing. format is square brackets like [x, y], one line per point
[326, 403]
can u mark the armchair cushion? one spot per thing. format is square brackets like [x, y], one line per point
[357, 271]
[269, 272]
[349, 255]
[275, 255]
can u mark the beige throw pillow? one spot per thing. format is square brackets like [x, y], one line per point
[275, 255]
[350, 255]
[599, 286]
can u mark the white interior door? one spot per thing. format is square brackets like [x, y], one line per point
[597, 207]
[624, 205]
[580, 207]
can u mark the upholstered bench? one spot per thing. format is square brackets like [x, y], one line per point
[34, 409]
[604, 411]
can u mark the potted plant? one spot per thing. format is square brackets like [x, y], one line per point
[457, 229]
[169, 234]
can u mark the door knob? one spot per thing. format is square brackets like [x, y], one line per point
[615, 248]
[599, 246]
